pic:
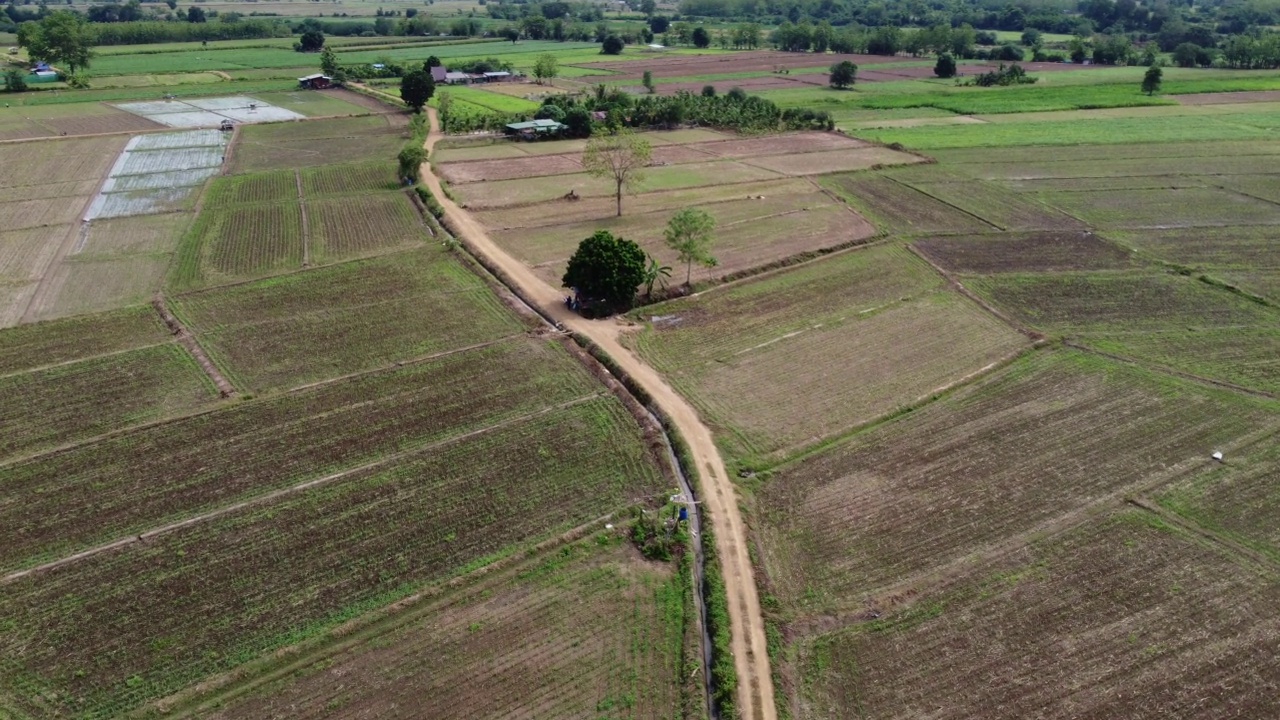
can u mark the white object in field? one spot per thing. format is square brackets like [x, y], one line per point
[1217, 456]
[608, 526]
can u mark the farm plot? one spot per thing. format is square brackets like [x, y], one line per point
[49, 343]
[901, 209]
[1225, 247]
[344, 318]
[93, 284]
[351, 227]
[877, 329]
[209, 112]
[833, 161]
[1263, 187]
[1123, 617]
[585, 631]
[1244, 356]
[262, 187]
[750, 233]
[1025, 252]
[65, 502]
[250, 240]
[504, 193]
[1050, 436]
[25, 254]
[317, 142]
[994, 204]
[67, 119]
[762, 61]
[66, 403]
[216, 593]
[349, 179]
[1236, 499]
[159, 173]
[1164, 208]
[1121, 302]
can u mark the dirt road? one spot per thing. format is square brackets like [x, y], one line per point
[720, 502]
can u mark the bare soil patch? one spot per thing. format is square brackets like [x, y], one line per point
[899, 208]
[508, 169]
[751, 85]
[1226, 98]
[119, 121]
[804, 142]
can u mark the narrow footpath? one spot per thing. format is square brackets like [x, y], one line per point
[755, 683]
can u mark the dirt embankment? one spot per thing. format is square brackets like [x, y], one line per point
[720, 501]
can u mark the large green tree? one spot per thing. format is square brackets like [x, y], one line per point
[607, 269]
[62, 38]
[843, 74]
[1151, 81]
[689, 233]
[416, 88]
[620, 158]
[545, 67]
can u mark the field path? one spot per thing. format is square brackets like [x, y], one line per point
[751, 659]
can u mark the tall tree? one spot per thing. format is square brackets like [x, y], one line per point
[945, 67]
[1151, 81]
[843, 74]
[328, 62]
[63, 38]
[416, 88]
[621, 158]
[689, 233]
[606, 268]
[545, 67]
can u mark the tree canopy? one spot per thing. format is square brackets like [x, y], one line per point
[62, 38]
[606, 269]
[416, 88]
[843, 74]
[311, 41]
[545, 67]
[612, 45]
[689, 233]
[1151, 81]
[621, 158]
[945, 67]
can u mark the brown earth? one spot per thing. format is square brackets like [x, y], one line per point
[1025, 252]
[751, 659]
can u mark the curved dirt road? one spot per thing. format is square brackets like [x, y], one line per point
[755, 683]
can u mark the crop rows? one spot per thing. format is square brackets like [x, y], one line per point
[348, 227]
[590, 629]
[318, 142]
[59, 161]
[1243, 247]
[345, 318]
[21, 214]
[1119, 301]
[60, 503]
[250, 240]
[69, 402]
[1163, 208]
[36, 345]
[1121, 618]
[25, 254]
[349, 179]
[1248, 357]
[1046, 436]
[899, 208]
[1025, 252]
[114, 630]
[1000, 207]
[263, 187]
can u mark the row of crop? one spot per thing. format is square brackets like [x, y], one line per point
[30, 346]
[68, 403]
[215, 594]
[252, 240]
[65, 502]
[353, 226]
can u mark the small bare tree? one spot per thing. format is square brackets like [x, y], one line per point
[620, 157]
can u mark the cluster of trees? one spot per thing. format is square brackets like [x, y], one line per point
[1011, 75]
[62, 37]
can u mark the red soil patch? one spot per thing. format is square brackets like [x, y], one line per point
[804, 142]
[723, 86]
[510, 168]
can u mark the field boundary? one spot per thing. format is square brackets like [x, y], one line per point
[1164, 369]
[959, 287]
[286, 491]
[187, 340]
[306, 229]
[1238, 550]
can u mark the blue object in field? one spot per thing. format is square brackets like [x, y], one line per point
[684, 514]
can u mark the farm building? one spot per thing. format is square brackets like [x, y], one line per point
[497, 76]
[439, 74]
[533, 128]
[315, 82]
[457, 78]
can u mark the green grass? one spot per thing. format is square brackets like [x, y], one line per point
[58, 341]
[496, 102]
[1079, 132]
